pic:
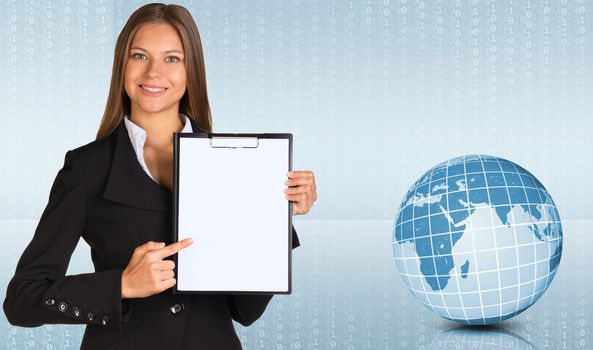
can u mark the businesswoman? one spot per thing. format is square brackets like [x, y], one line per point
[115, 193]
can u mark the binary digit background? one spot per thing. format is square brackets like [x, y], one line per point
[375, 93]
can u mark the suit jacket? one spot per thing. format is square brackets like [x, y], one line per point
[103, 194]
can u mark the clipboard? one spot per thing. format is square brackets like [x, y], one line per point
[228, 195]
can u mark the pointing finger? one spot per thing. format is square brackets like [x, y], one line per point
[174, 248]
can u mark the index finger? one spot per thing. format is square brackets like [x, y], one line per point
[173, 248]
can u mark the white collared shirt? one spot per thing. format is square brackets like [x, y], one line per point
[138, 138]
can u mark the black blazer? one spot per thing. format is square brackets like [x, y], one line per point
[103, 194]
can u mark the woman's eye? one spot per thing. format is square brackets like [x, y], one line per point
[138, 56]
[172, 59]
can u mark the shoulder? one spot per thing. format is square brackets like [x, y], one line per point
[94, 149]
[95, 154]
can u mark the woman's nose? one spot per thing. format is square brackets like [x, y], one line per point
[155, 69]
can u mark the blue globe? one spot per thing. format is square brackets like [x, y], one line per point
[477, 239]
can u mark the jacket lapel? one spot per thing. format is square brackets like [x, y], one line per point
[128, 184]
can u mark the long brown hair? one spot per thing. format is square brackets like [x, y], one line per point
[194, 103]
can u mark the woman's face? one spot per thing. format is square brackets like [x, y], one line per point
[155, 78]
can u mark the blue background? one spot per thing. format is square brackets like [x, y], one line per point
[375, 93]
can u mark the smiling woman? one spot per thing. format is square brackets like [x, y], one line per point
[155, 82]
[155, 72]
[159, 47]
[115, 193]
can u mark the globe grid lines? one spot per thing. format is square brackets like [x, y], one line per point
[406, 267]
[490, 290]
[548, 281]
[514, 226]
[514, 238]
[533, 239]
[543, 227]
[456, 273]
[485, 290]
[481, 251]
[480, 188]
[533, 293]
[488, 229]
[552, 273]
[432, 249]
[480, 290]
[409, 286]
[544, 212]
[477, 266]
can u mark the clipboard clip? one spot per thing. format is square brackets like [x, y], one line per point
[234, 142]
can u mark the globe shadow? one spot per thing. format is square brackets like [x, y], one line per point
[480, 337]
[508, 325]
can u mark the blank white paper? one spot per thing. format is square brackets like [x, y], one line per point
[231, 202]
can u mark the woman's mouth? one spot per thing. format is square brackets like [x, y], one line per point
[152, 90]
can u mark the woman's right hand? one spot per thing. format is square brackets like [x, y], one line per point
[147, 273]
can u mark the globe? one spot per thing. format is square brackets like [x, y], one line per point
[477, 239]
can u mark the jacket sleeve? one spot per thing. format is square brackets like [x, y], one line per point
[247, 309]
[40, 292]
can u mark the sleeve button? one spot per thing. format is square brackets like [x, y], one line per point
[76, 311]
[105, 320]
[50, 301]
[62, 306]
[90, 316]
[176, 308]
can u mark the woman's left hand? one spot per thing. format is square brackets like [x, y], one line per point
[302, 191]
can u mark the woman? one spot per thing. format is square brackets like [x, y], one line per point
[115, 192]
